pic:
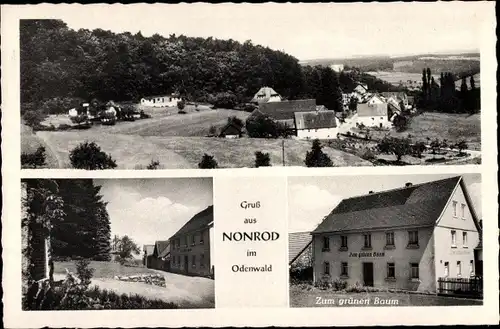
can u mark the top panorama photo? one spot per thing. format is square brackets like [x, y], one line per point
[145, 94]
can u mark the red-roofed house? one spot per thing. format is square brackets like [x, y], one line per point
[406, 238]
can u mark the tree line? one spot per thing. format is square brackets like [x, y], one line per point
[61, 67]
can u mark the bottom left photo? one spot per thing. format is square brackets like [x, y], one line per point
[92, 244]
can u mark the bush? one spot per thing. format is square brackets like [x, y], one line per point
[89, 156]
[339, 284]
[316, 157]
[367, 154]
[181, 112]
[323, 283]
[33, 160]
[154, 164]
[33, 118]
[207, 162]
[84, 272]
[181, 105]
[262, 159]
[262, 126]
[226, 100]
[64, 127]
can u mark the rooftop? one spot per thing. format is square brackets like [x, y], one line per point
[315, 120]
[297, 243]
[201, 220]
[285, 110]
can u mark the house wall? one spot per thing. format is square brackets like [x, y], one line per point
[445, 250]
[401, 255]
[374, 121]
[322, 133]
[274, 99]
[178, 253]
[162, 101]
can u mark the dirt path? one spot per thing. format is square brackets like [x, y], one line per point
[185, 291]
[50, 151]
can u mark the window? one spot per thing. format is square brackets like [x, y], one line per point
[389, 238]
[326, 243]
[201, 238]
[202, 260]
[446, 269]
[453, 239]
[413, 238]
[193, 240]
[186, 241]
[326, 268]
[193, 261]
[368, 240]
[464, 239]
[462, 211]
[454, 209]
[471, 268]
[344, 269]
[414, 271]
[459, 268]
[343, 242]
[391, 271]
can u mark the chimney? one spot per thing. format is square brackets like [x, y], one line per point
[371, 192]
[408, 184]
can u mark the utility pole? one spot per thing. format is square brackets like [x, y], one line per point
[283, 151]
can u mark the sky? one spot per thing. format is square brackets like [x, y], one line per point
[153, 209]
[306, 31]
[306, 212]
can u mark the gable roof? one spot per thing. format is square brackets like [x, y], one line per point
[398, 94]
[148, 249]
[165, 252]
[315, 120]
[371, 110]
[159, 247]
[285, 110]
[416, 205]
[230, 129]
[297, 243]
[264, 94]
[201, 220]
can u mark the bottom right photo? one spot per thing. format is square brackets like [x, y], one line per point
[385, 240]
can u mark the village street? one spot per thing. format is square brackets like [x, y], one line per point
[185, 291]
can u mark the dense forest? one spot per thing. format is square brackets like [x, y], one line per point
[81, 225]
[61, 67]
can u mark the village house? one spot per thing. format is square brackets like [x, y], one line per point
[284, 112]
[266, 95]
[373, 115]
[231, 130]
[300, 249]
[316, 124]
[360, 91]
[405, 238]
[170, 100]
[148, 250]
[160, 259]
[191, 252]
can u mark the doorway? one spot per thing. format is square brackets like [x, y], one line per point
[368, 274]
[186, 264]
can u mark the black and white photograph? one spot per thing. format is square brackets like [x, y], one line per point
[100, 244]
[397, 240]
[212, 87]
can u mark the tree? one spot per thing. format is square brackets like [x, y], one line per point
[126, 248]
[212, 131]
[435, 145]
[472, 83]
[236, 121]
[262, 159]
[400, 122]
[418, 148]
[397, 146]
[181, 105]
[461, 146]
[154, 164]
[207, 162]
[33, 118]
[33, 160]
[316, 157]
[89, 156]
[262, 126]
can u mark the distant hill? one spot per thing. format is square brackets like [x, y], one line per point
[466, 63]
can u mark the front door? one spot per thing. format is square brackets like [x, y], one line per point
[368, 274]
[186, 263]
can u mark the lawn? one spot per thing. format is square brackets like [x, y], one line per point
[30, 143]
[453, 127]
[314, 297]
[136, 152]
[103, 269]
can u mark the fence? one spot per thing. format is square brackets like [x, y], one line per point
[472, 287]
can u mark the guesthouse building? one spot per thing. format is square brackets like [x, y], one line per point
[169, 100]
[191, 246]
[373, 115]
[406, 238]
[284, 112]
[160, 259]
[316, 124]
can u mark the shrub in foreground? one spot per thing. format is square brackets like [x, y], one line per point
[207, 162]
[89, 156]
[33, 160]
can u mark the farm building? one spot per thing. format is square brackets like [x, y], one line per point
[162, 100]
[230, 130]
[397, 96]
[40, 244]
[316, 124]
[266, 95]
[192, 246]
[148, 250]
[407, 238]
[160, 259]
[300, 249]
[373, 115]
[284, 111]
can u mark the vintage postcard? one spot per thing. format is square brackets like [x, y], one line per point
[253, 165]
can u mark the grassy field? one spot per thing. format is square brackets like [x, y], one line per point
[30, 142]
[103, 270]
[453, 127]
[321, 298]
[136, 152]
